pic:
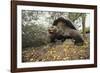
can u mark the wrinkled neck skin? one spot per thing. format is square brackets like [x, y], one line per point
[63, 30]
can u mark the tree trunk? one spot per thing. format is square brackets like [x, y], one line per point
[83, 25]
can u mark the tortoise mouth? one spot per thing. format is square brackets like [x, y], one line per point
[51, 32]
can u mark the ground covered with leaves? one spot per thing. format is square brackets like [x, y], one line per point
[56, 52]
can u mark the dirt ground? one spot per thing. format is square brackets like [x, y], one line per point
[56, 52]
